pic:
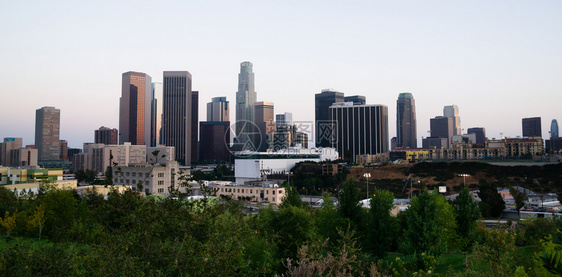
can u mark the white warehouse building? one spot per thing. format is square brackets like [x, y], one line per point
[251, 166]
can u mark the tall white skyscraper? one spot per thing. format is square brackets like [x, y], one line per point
[452, 111]
[176, 113]
[245, 102]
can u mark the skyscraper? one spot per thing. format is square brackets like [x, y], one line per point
[245, 99]
[156, 117]
[47, 130]
[135, 109]
[264, 119]
[441, 127]
[356, 99]
[215, 137]
[452, 111]
[106, 135]
[480, 134]
[406, 132]
[214, 143]
[323, 126]
[218, 110]
[195, 126]
[176, 114]
[6, 147]
[532, 127]
[554, 129]
[360, 129]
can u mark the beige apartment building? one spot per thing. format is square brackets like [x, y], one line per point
[155, 179]
[268, 193]
[506, 147]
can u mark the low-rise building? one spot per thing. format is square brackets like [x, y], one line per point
[14, 176]
[254, 165]
[253, 191]
[154, 179]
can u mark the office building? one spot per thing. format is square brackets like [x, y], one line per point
[47, 130]
[441, 127]
[355, 99]
[406, 128]
[156, 114]
[177, 113]
[135, 108]
[23, 157]
[63, 150]
[157, 179]
[452, 111]
[359, 129]
[435, 142]
[323, 126]
[532, 127]
[218, 110]
[245, 101]
[215, 139]
[194, 126]
[106, 135]
[554, 129]
[119, 155]
[8, 145]
[160, 154]
[480, 133]
[265, 121]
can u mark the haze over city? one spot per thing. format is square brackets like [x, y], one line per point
[498, 62]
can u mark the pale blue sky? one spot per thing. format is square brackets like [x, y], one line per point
[499, 61]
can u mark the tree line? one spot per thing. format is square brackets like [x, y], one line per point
[60, 232]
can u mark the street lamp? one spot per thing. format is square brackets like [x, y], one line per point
[367, 175]
[464, 178]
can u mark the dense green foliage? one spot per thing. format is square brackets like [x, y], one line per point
[58, 232]
[466, 213]
[492, 204]
[429, 225]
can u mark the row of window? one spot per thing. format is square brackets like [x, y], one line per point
[134, 174]
[251, 191]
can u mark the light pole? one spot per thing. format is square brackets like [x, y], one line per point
[367, 175]
[464, 175]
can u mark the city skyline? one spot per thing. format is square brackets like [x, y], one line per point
[498, 62]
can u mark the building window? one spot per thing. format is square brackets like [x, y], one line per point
[273, 192]
[161, 175]
[134, 174]
[251, 191]
[273, 199]
[242, 190]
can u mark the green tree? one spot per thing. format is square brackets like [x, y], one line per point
[8, 222]
[519, 198]
[429, 225]
[466, 214]
[329, 220]
[292, 197]
[348, 198]
[38, 219]
[87, 176]
[492, 204]
[380, 224]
